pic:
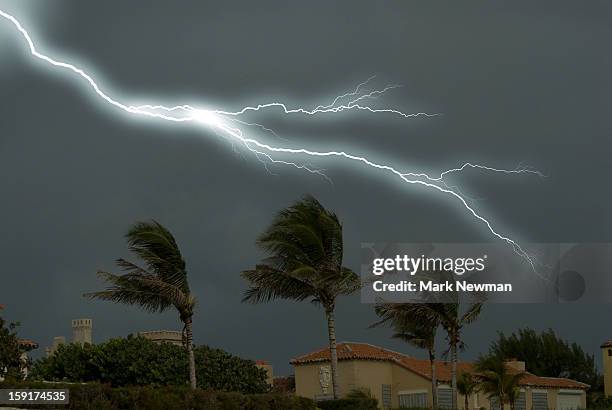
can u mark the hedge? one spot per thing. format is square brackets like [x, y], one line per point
[349, 404]
[95, 396]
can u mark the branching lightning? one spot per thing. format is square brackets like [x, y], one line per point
[229, 124]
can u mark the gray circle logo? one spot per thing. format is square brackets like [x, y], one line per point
[570, 286]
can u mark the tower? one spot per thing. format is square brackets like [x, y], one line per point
[606, 352]
[81, 331]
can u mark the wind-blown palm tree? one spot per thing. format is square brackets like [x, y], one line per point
[413, 330]
[453, 320]
[497, 381]
[159, 285]
[466, 386]
[305, 263]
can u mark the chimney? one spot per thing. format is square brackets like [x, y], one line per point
[515, 364]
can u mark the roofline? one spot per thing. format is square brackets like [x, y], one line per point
[349, 342]
[297, 361]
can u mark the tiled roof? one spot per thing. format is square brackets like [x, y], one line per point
[365, 351]
[607, 344]
[538, 381]
[28, 343]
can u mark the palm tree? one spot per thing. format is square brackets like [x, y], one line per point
[497, 381]
[159, 285]
[305, 263]
[466, 386]
[412, 330]
[453, 320]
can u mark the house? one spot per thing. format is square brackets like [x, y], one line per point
[164, 336]
[606, 352]
[399, 380]
[262, 364]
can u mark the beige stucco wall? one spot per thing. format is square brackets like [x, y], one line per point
[607, 370]
[362, 374]
[307, 380]
[372, 374]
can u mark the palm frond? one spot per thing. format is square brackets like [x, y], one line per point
[304, 244]
[156, 246]
[268, 283]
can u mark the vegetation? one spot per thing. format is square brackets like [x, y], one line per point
[95, 396]
[407, 326]
[466, 386]
[10, 352]
[360, 403]
[546, 354]
[161, 284]
[305, 263]
[496, 381]
[453, 318]
[138, 361]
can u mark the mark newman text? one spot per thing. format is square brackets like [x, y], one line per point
[430, 286]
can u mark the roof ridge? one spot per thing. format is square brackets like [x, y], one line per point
[378, 347]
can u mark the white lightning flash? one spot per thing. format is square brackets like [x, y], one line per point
[228, 124]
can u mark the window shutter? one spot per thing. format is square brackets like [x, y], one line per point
[386, 396]
[445, 398]
[413, 400]
[539, 400]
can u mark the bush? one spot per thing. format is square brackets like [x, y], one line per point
[349, 404]
[95, 396]
[138, 361]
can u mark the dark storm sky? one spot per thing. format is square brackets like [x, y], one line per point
[517, 82]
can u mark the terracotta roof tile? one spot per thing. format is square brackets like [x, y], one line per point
[28, 343]
[365, 351]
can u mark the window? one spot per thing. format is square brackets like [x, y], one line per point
[386, 396]
[609, 352]
[521, 401]
[445, 398]
[412, 400]
[539, 400]
[494, 400]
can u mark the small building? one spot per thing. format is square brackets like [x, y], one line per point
[26, 345]
[606, 352]
[399, 380]
[262, 364]
[82, 333]
[57, 342]
[163, 336]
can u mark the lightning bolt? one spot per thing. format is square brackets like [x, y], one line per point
[228, 124]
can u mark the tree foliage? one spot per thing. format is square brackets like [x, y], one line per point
[305, 263]
[546, 354]
[139, 361]
[412, 329]
[159, 285]
[305, 249]
[497, 380]
[10, 353]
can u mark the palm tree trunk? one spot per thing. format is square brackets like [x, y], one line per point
[190, 355]
[331, 331]
[434, 379]
[467, 402]
[454, 372]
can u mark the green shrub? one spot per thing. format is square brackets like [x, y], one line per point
[95, 396]
[138, 361]
[349, 404]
